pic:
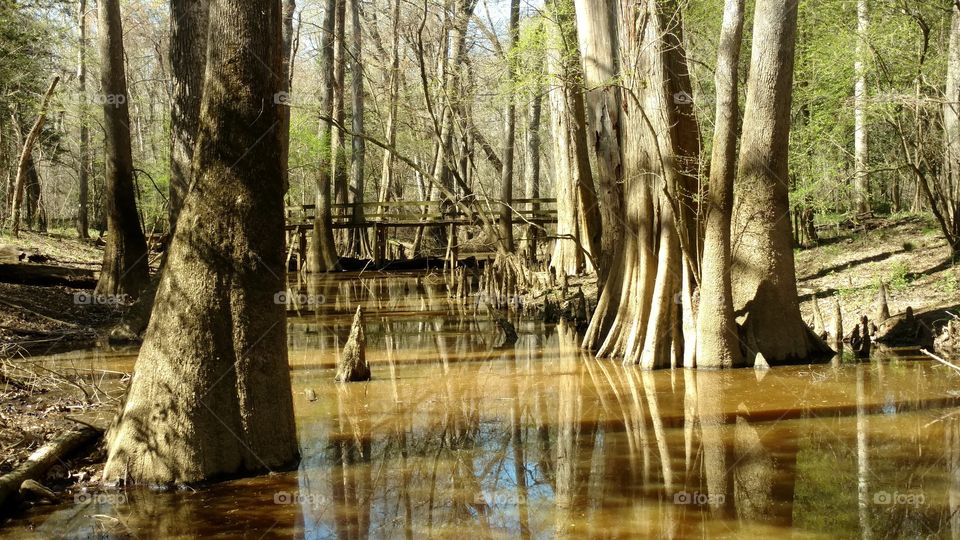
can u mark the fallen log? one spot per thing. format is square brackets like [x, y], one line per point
[39, 463]
[46, 275]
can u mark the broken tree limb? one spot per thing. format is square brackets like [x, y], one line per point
[39, 462]
[938, 359]
[45, 275]
[26, 157]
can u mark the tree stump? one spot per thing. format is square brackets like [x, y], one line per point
[352, 365]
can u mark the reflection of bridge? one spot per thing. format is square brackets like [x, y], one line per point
[383, 216]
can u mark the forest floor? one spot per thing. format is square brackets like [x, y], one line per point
[906, 252]
[38, 320]
[36, 403]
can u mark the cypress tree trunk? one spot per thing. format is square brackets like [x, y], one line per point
[638, 316]
[532, 182]
[861, 188]
[188, 58]
[597, 28]
[578, 219]
[125, 265]
[323, 248]
[717, 341]
[947, 210]
[83, 172]
[210, 396]
[509, 138]
[286, 85]
[359, 242]
[765, 288]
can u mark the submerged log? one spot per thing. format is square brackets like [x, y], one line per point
[39, 463]
[352, 365]
[45, 275]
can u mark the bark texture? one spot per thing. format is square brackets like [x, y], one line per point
[717, 342]
[944, 199]
[639, 316]
[861, 188]
[509, 138]
[189, 21]
[765, 288]
[597, 31]
[83, 172]
[323, 248]
[578, 219]
[210, 396]
[125, 264]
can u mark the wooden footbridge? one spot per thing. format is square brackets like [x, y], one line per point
[383, 217]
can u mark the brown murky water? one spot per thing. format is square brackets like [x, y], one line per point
[458, 438]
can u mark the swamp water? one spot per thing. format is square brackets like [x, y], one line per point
[458, 438]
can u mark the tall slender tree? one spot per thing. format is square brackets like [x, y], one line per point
[509, 136]
[717, 341]
[210, 395]
[861, 186]
[765, 288]
[125, 264]
[359, 241]
[323, 248]
[83, 172]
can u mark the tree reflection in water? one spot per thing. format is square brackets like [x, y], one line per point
[456, 437]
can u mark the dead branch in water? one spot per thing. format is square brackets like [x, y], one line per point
[39, 462]
[938, 359]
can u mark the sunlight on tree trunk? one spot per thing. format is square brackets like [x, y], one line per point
[765, 284]
[717, 341]
[125, 263]
[210, 395]
[639, 315]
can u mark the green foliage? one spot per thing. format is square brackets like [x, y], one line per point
[899, 278]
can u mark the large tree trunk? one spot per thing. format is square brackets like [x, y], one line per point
[509, 138]
[861, 188]
[578, 220]
[717, 341]
[125, 264]
[83, 167]
[323, 248]
[946, 206]
[210, 396]
[25, 165]
[596, 26]
[359, 241]
[188, 58]
[765, 288]
[638, 316]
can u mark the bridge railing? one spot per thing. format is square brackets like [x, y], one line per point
[416, 213]
[383, 216]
